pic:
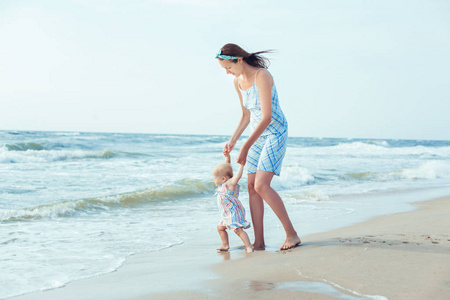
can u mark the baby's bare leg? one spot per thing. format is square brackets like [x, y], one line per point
[224, 236]
[244, 237]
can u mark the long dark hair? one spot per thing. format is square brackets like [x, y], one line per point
[253, 59]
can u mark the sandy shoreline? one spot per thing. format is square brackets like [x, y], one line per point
[399, 256]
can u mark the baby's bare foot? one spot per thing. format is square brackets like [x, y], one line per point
[291, 242]
[223, 248]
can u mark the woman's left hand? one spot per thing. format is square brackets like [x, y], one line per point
[242, 156]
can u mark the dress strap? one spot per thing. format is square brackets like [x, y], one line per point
[257, 73]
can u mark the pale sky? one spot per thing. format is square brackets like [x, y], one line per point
[343, 68]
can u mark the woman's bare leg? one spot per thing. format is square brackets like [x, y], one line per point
[257, 211]
[262, 186]
[224, 236]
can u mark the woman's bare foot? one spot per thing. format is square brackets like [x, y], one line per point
[249, 249]
[291, 242]
[259, 247]
[223, 248]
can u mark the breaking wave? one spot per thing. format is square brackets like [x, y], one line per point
[179, 190]
[24, 147]
[292, 177]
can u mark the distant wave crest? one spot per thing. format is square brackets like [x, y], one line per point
[384, 148]
[24, 154]
[428, 170]
[24, 147]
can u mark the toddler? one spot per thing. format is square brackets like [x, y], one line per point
[231, 209]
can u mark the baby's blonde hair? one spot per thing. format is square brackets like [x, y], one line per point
[224, 169]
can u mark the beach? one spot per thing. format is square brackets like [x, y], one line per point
[398, 256]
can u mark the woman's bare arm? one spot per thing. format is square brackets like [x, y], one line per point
[242, 125]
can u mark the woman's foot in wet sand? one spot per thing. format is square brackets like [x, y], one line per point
[259, 247]
[291, 242]
[249, 249]
[223, 248]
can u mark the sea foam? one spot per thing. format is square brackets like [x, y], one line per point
[427, 170]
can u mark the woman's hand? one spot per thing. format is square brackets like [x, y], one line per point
[242, 156]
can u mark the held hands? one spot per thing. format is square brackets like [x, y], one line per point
[228, 147]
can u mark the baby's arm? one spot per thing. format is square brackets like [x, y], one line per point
[227, 158]
[231, 183]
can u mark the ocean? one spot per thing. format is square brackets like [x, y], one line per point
[75, 205]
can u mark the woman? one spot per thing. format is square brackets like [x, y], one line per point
[265, 148]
